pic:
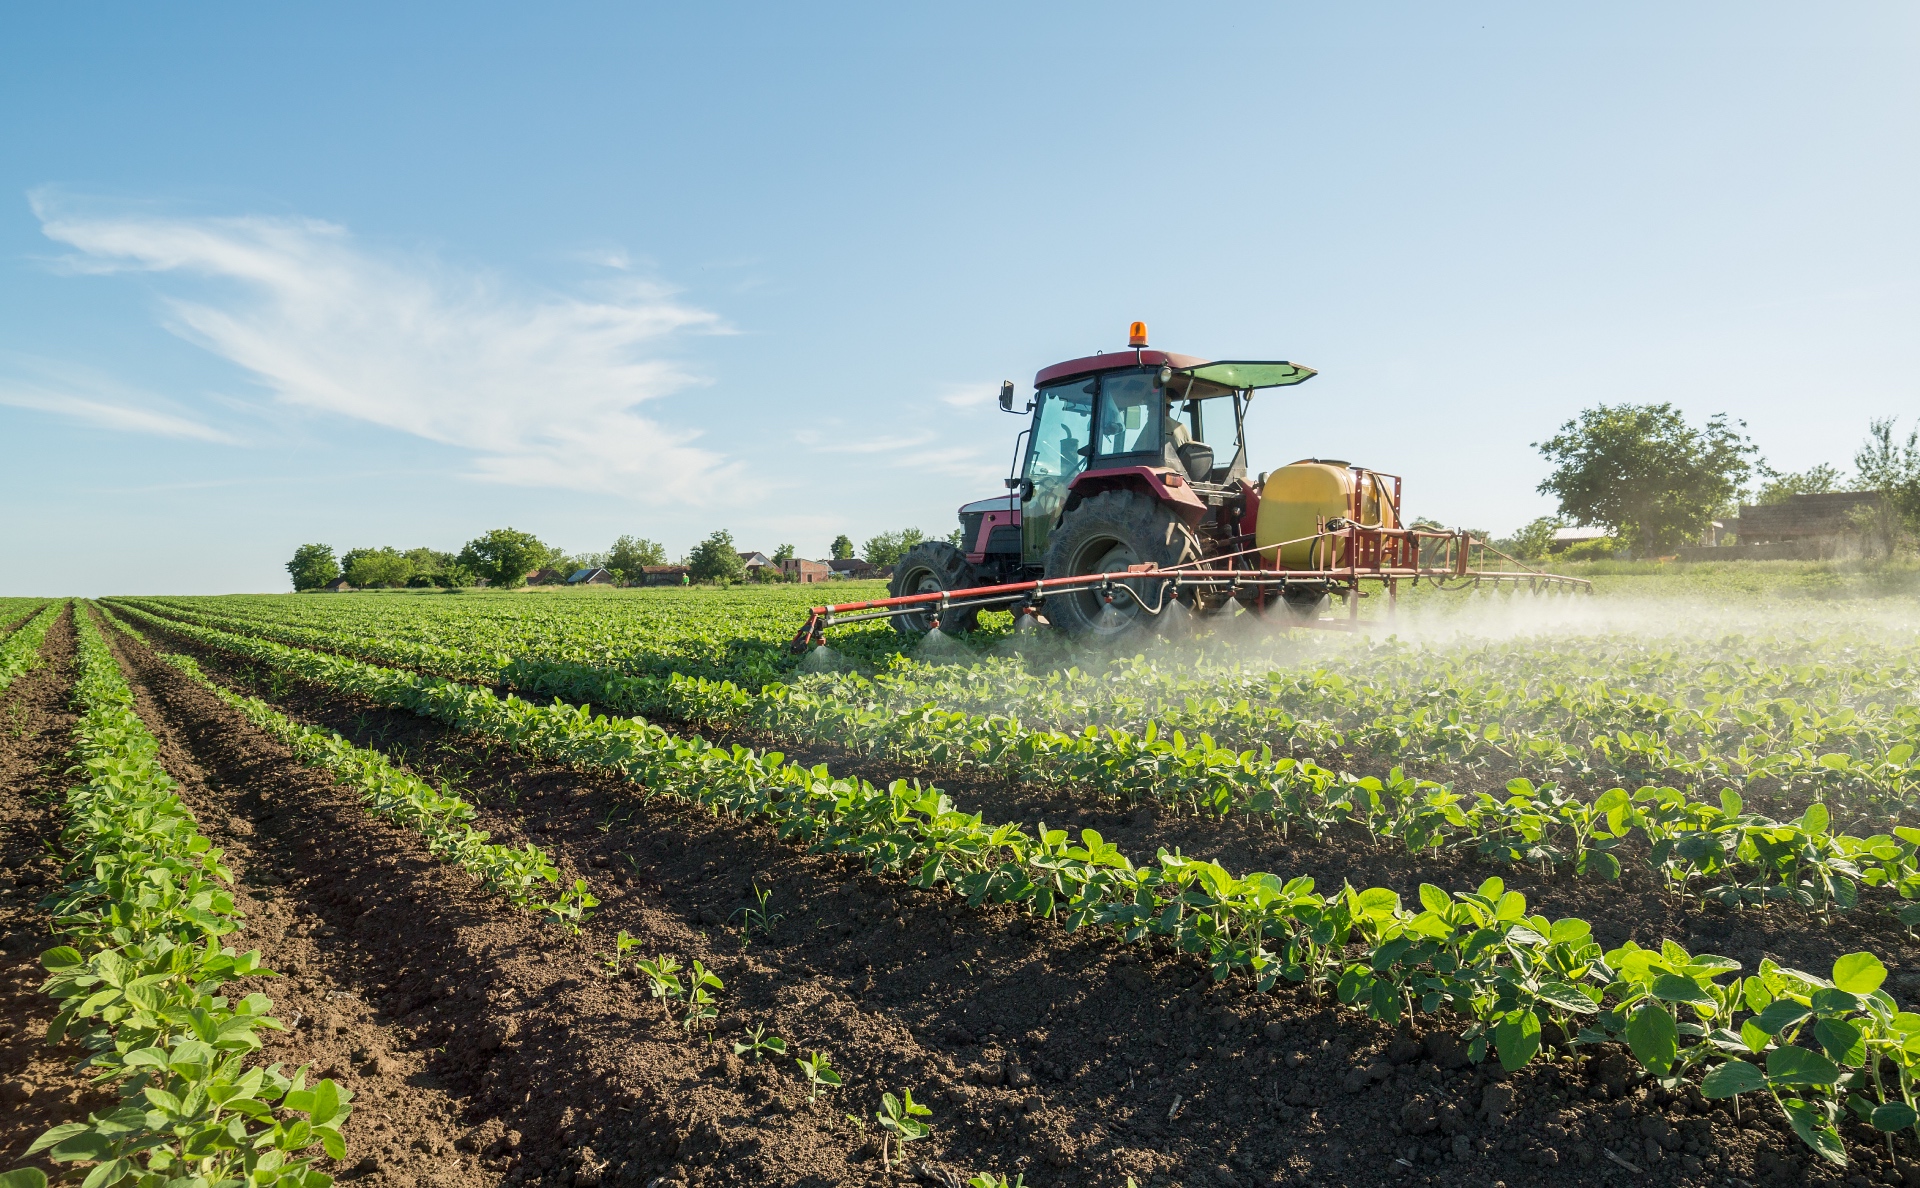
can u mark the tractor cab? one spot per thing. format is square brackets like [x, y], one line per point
[1171, 425]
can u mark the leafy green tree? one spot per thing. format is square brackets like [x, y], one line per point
[889, 547]
[313, 566]
[1643, 473]
[504, 556]
[783, 553]
[632, 554]
[1776, 487]
[1532, 540]
[715, 559]
[1891, 467]
[841, 549]
[367, 568]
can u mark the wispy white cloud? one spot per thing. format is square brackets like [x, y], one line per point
[81, 395]
[543, 389]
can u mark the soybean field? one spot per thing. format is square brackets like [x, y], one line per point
[609, 888]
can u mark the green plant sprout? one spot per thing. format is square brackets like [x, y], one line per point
[700, 1005]
[573, 908]
[616, 960]
[820, 1075]
[759, 1041]
[663, 981]
[900, 1124]
[757, 918]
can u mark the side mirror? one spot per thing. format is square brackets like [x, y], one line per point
[1006, 395]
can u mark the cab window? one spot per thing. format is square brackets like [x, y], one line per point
[1129, 421]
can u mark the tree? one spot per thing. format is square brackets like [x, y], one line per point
[1778, 488]
[1893, 469]
[505, 556]
[632, 554]
[782, 554]
[715, 559]
[888, 547]
[1643, 473]
[841, 549]
[367, 568]
[313, 566]
[1533, 540]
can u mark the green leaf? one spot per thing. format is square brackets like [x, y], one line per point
[56, 1136]
[1859, 973]
[1674, 988]
[1894, 1115]
[24, 1177]
[61, 958]
[1518, 1040]
[1800, 1066]
[1654, 1038]
[1814, 1130]
[106, 1175]
[1782, 1014]
[1434, 899]
[1730, 1079]
[1843, 1042]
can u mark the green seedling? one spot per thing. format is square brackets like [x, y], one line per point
[989, 1180]
[663, 981]
[616, 961]
[757, 918]
[700, 1005]
[900, 1124]
[759, 1041]
[820, 1075]
[574, 906]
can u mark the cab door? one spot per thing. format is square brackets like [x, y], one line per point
[1056, 452]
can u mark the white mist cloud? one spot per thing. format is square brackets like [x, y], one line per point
[80, 394]
[543, 389]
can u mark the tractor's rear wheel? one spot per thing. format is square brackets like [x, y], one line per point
[1105, 534]
[928, 568]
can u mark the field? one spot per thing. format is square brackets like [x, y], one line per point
[605, 888]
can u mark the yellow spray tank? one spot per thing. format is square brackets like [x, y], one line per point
[1296, 499]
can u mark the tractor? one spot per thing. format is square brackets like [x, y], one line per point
[1120, 508]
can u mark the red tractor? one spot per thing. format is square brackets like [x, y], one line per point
[1122, 507]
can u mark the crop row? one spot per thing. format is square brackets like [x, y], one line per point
[20, 650]
[1793, 685]
[442, 818]
[1730, 853]
[139, 982]
[1837, 732]
[1818, 1047]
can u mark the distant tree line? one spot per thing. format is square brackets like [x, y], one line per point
[502, 556]
[505, 556]
[1654, 482]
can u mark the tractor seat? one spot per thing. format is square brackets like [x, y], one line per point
[1196, 457]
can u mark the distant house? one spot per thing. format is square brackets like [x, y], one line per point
[1566, 538]
[755, 560]
[546, 577]
[663, 575]
[338, 585]
[805, 572]
[1799, 527]
[590, 577]
[852, 567]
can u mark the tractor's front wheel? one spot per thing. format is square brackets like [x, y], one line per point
[928, 568]
[1105, 534]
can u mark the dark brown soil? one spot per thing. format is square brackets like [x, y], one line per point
[1058, 1055]
[38, 1085]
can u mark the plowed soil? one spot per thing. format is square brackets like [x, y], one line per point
[38, 1085]
[1060, 1056]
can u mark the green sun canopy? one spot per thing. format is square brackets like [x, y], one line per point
[1249, 374]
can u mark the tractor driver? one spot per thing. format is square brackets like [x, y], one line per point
[1173, 429]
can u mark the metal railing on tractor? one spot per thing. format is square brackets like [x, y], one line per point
[1344, 556]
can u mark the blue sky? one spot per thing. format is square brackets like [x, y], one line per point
[382, 274]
